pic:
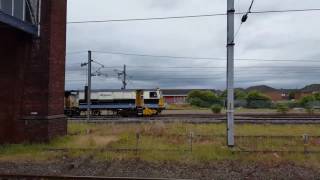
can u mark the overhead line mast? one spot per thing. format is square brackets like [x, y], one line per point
[89, 86]
[124, 80]
[230, 72]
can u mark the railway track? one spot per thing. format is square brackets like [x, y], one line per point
[54, 177]
[198, 119]
[217, 116]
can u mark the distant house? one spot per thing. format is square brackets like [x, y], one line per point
[286, 94]
[178, 96]
[175, 96]
[274, 94]
[308, 90]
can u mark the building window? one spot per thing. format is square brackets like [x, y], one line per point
[16, 8]
[6, 6]
[19, 9]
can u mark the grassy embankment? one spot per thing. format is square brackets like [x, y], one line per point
[170, 142]
[189, 108]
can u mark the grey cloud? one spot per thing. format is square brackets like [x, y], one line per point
[267, 36]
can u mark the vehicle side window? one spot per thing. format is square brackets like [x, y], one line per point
[153, 95]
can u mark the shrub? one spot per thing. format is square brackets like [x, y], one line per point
[203, 98]
[307, 101]
[239, 97]
[292, 104]
[317, 96]
[256, 99]
[216, 109]
[282, 108]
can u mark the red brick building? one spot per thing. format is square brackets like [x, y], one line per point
[179, 96]
[307, 91]
[32, 67]
[274, 94]
[175, 96]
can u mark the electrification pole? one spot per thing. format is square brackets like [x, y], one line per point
[124, 80]
[89, 86]
[230, 73]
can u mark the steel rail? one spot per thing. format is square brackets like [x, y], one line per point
[213, 116]
[203, 119]
[49, 177]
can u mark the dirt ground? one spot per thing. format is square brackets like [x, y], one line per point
[137, 168]
[197, 111]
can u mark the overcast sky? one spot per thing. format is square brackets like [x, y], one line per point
[285, 36]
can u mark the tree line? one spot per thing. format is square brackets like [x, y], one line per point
[251, 99]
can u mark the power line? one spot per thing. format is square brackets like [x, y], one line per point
[215, 67]
[190, 16]
[157, 56]
[283, 11]
[243, 20]
[75, 52]
[187, 78]
[179, 69]
[147, 19]
[193, 73]
[96, 62]
[206, 75]
[237, 32]
[201, 58]
[215, 73]
[202, 68]
[250, 7]
[146, 79]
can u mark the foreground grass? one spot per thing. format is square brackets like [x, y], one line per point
[171, 142]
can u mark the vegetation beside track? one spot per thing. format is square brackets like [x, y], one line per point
[186, 143]
[188, 109]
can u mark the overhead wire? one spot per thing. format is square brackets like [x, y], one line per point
[190, 16]
[75, 52]
[183, 78]
[219, 67]
[201, 68]
[199, 58]
[196, 58]
[243, 20]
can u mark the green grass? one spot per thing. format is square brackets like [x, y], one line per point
[188, 109]
[170, 142]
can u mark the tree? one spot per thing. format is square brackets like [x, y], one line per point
[203, 98]
[256, 99]
[317, 96]
[307, 101]
[292, 95]
[238, 94]
[282, 108]
[310, 102]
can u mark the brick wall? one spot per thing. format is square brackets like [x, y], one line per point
[13, 48]
[275, 96]
[32, 79]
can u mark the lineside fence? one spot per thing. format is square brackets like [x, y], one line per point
[191, 143]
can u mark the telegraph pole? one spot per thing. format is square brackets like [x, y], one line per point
[124, 80]
[89, 86]
[230, 73]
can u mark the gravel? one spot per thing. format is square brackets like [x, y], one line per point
[137, 168]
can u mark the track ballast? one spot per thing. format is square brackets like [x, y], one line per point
[204, 118]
